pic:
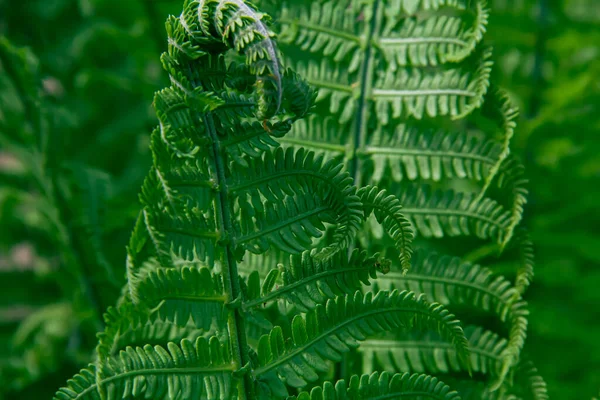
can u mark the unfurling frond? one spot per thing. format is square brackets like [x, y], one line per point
[331, 330]
[384, 385]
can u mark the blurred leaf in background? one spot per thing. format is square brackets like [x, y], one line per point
[548, 56]
[76, 82]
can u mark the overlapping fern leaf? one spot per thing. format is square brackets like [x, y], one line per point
[219, 189]
[405, 99]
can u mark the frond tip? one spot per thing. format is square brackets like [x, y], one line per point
[386, 209]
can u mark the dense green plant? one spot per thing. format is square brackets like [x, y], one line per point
[66, 208]
[221, 188]
[542, 53]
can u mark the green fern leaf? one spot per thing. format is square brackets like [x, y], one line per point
[428, 354]
[384, 385]
[329, 331]
[386, 209]
[202, 370]
[178, 294]
[449, 213]
[292, 173]
[309, 281]
[127, 325]
[414, 152]
[450, 281]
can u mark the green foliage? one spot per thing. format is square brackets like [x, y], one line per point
[548, 59]
[325, 208]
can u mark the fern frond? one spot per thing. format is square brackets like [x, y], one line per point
[449, 213]
[414, 152]
[288, 225]
[386, 209]
[309, 281]
[290, 173]
[450, 281]
[428, 354]
[201, 370]
[511, 178]
[180, 294]
[499, 108]
[329, 331]
[382, 385]
[433, 40]
[516, 341]
[526, 261]
[532, 385]
[127, 325]
[419, 94]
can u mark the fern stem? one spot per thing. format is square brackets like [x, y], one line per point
[236, 325]
[360, 129]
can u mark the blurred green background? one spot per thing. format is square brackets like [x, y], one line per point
[75, 172]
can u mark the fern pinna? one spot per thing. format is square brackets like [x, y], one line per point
[247, 265]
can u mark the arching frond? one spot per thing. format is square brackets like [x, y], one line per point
[430, 41]
[438, 214]
[419, 94]
[525, 272]
[516, 340]
[382, 385]
[329, 331]
[387, 210]
[450, 281]
[426, 353]
[511, 179]
[415, 152]
[499, 108]
[291, 223]
[292, 172]
[309, 281]
[530, 384]
[201, 370]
